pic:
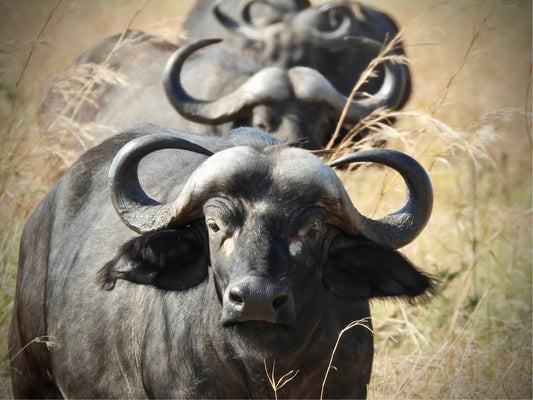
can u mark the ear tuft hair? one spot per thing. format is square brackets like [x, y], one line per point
[170, 260]
[361, 269]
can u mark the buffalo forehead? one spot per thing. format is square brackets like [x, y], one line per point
[297, 166]
[224, 166]
[286, 165]
[269, 84]
[289, 171]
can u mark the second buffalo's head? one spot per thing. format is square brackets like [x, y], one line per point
[291, 104]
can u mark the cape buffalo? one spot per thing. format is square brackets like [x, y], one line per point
[301, 35]
[215, 259]
[202, 23]
[295, 103]
[291, 104]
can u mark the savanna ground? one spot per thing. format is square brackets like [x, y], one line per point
[468, 122]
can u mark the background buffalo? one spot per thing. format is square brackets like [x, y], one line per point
[296, 33]
[470, 80]
[233, 90]
[126, 71]
[201, 23]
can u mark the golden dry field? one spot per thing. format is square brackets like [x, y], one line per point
[468, 122]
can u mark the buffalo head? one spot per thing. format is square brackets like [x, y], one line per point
[201, 22]
[291, 104]
[315, 37]
[276, 227]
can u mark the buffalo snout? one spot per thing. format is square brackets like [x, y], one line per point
[257, 299]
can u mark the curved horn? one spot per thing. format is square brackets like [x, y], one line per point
[267, 84]
[402, 226]
[329, 39]
[136, 209]
[393, 88]
[245, 27]
[310, 85]
[280, 9]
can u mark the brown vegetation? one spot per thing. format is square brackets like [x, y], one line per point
[468, 122]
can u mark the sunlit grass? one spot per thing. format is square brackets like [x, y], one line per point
[468, 123]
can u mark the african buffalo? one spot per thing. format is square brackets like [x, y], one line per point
[298, 103]
[216, 259]
[234, 91]
[202, 23]
[304, 36]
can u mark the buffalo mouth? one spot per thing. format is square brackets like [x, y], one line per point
[263, 337]
[257, 304]
[259, 330]
[260, 324]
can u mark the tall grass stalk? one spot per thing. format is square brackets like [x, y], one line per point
[364, 323]
[277, 384]
[23, 70]
[527, 108]
[472, 340]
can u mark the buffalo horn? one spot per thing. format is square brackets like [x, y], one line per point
[330, 39]
[392, 90]
[143, 214]
[273, 84]
[244, 28]
[310, 85]
[269, 84]
[136, 209]
[402, 226]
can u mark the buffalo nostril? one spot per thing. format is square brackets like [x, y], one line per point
[235, 296]
[279, 301]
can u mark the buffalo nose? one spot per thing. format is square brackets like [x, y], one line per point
[257, 299]
[258, 293]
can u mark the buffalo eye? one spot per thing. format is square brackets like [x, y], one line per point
[262, 126]
[312, 227]
[213, 226]
[314, 230]
[264, 119]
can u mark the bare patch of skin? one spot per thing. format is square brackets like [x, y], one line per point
[228, 247]
[295, 247]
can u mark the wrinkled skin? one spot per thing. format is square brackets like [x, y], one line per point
[195, 311]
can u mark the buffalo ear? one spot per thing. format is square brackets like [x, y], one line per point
[360, 269]
[170, 260]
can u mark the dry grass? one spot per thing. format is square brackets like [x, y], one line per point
[468, 122]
